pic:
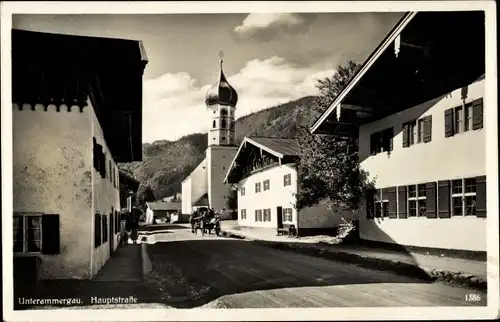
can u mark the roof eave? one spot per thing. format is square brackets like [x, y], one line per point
[396, 31]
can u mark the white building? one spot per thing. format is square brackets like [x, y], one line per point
[204, 186]
[76, 112]
[416, 105]
[265, 174]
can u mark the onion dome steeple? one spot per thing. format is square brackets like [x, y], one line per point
[221, 92]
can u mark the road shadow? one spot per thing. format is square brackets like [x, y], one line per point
[160, 227]
[195, 272]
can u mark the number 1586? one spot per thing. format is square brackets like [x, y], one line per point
[473, 297]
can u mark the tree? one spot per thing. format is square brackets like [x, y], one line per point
[328, 167]
[232, 199]
[144, 194]
[330, 87]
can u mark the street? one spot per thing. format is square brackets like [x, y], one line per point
[211, 271]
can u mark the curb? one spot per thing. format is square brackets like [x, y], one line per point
[145, 260]
[397, 267]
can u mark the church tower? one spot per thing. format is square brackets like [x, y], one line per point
[221, 99]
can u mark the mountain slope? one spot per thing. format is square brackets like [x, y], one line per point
[167, 163]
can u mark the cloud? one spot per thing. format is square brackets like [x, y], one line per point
[174, 104]
[265, 26]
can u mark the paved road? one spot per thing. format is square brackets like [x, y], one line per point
[221, 272]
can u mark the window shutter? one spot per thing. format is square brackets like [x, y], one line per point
[393, 205]
[370, 207]
[402, 202]
[95, 154]
[448, 123]
[444, 199]
[97, 230]
[477, 114]
[481, 196]
[405, 135]
[430, 200]
[428, 128]
[103, 164]
[50, 234]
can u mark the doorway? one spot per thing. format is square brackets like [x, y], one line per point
[279, 217]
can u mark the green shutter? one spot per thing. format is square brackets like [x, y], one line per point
[405, 135]
[97, 230]
[402, 202]
[444, 199]
[427, 129]
[430, 200]
[50, 234]
[477, 114]
[370, 207]
[481, 196]
[393, 204]
[448, 122]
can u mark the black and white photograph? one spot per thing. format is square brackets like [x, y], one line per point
[249, 160]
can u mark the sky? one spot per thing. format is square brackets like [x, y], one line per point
[269, 58]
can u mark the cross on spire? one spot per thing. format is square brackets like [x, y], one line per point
[221, 56]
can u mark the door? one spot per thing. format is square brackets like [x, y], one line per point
[279, 217]
[111, 231]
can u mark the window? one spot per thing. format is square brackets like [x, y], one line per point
[287, 212]
[413, 132]
[463, 118]
[421, 123]
[243, 214]
[223, 138]
[223, 124]
[99, 158]
[266, 185]
[213, 124]
[97, 230]
[381, 141]
[258, 215]
[232, 125]
[468, 117]
[257, 187]
[381, 204]
[27, 234]
[463, 196]
[110, 171]
[458, 120]
[36, 233]
[417, 200]
[223, 112]
[287, 180]
[104, 228]
[242, 191]
[267, 215]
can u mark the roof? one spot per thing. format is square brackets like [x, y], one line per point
[423, 57]
[282, 148]
[202, 201]
[163, 205]
[57, 69]
[126, 174]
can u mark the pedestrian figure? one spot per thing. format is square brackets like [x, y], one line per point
[134, 235]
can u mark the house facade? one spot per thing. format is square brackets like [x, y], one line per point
[417, 108]
[265, 174]
[161, 210]
[207, 178]
[71, 125]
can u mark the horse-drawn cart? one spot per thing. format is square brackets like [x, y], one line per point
[206, 221]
